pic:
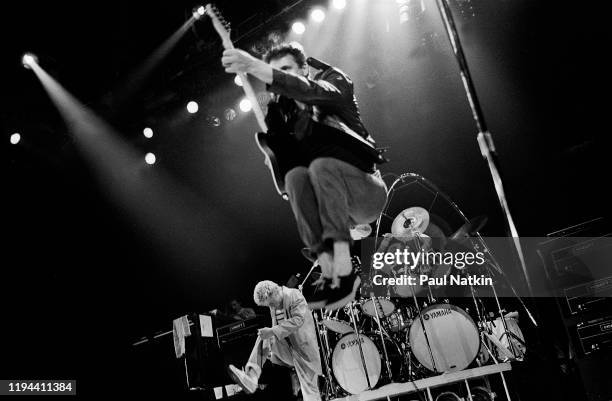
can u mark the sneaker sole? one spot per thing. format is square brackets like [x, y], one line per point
[341, 303]
[237, 380]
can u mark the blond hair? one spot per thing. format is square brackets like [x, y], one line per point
[264, 291]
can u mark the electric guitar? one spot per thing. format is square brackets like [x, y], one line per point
[282, 151]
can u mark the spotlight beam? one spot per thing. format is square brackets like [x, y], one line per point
[135, 79]
[177, 220]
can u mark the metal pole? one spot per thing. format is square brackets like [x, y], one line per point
[382, 338]
[363, 361]
[485, 141]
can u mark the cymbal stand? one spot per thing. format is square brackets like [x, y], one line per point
[475, 299]
[331, 391]
[301, 285]
[378, 307]
[363, 361]
[420, 317]
[498, 269]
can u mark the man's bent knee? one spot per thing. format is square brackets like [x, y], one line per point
[296, 177]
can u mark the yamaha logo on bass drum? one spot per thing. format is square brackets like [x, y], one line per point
[438, 313]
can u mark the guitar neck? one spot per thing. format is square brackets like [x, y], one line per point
[223, 29]
[250, 94]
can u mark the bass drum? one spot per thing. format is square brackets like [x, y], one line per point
[452, 335]
[347, 364]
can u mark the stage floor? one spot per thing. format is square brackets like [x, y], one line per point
[396, 389]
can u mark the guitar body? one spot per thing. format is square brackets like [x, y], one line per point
[283, 152]
[280, 152]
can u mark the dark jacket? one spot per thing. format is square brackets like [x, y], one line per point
[331, 103]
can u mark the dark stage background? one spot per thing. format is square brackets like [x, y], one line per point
[82, 277]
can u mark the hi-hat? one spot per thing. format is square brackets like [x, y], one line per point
[360, 231]
[409, 220]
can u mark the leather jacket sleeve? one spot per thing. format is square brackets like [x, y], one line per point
[336, 89]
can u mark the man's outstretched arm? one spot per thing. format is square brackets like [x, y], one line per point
[295, 87]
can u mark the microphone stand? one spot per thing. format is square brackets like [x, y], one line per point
[485, 140]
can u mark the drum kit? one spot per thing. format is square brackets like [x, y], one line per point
[411, 334]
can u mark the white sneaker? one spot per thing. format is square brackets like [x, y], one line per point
[248, 384]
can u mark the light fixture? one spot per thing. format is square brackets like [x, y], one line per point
[28, 59]
[229, 114]
[214, 121]
[147, 132]
[245, 105]
[198, 12]
[318, 15]
[237, 80]
[150, 158]
[298, 27]
[192, 107]
[411, 10]
[15, 138]
[339, 4]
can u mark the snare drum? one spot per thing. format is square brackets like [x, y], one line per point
[337, 325]
[381, 305]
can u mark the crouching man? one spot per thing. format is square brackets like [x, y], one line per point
[291, 341]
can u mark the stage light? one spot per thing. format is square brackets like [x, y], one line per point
[237, 80]
[318, 15]
[245, 105]
[229, 114]
[298, 27]
[214, 121]
[147, 132]
[28, 59]
[150, 158]
[15, 138]
[411, 10]
[339, 4]
[198, 12]
[192, 107]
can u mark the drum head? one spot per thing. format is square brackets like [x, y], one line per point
[337, 325]
[369, 307]
[452, 336]
[347, 364]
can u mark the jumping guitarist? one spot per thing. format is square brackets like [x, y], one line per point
[332, 181]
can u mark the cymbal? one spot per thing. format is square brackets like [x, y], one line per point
[412, 219]
[469, 229]
[360, 231]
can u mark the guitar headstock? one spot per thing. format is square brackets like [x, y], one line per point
[220, 24]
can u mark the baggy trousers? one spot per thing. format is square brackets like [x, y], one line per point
[281, 353]
[329, 197]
